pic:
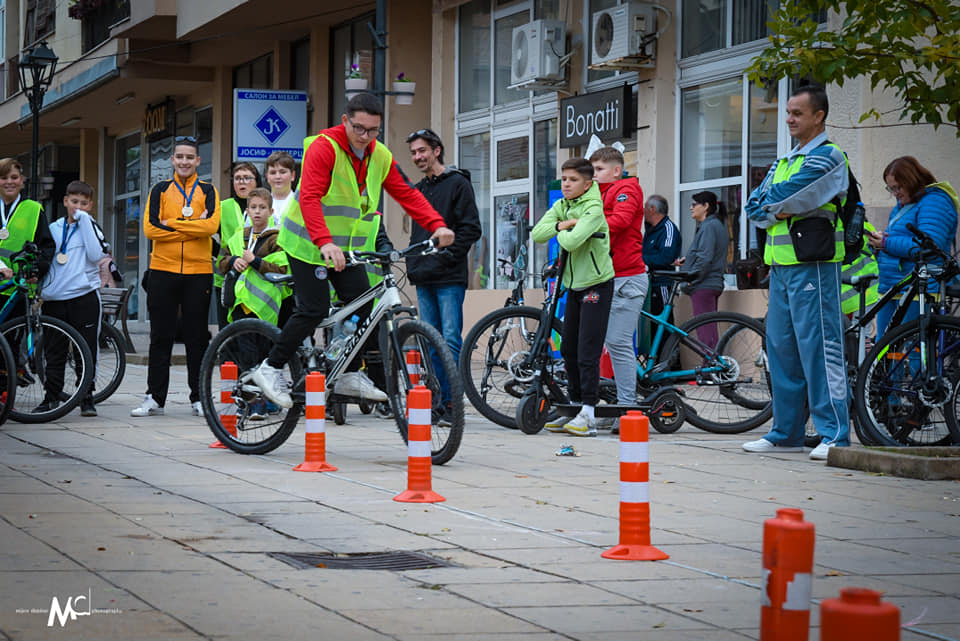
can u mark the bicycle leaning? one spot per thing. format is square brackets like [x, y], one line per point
[398, 332]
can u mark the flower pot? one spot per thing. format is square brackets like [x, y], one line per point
[409, 87]
[355, 86]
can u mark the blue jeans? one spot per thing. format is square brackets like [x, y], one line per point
[442, 307]
[805, 350]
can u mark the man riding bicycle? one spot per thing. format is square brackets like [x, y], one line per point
[344, 169]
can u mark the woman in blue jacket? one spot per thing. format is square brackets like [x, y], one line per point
[922, 201]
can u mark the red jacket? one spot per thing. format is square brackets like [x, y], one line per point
[623, 207]
[318, 164]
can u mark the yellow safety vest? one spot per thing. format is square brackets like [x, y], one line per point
[779, 246]
[22, 226]
[231, 219]
[866, 263]
[351, 216]
[260, 296]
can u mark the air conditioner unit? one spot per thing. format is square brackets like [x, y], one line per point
[537, 49]
[619, 32]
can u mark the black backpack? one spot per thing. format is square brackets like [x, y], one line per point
[851, 212]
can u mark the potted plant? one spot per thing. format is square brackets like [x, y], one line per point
[355, 82]
[405, 85]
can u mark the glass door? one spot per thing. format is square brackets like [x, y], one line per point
[126, 243]
[511, 204]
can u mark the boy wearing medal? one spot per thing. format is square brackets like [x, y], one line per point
[281, 171]
[180, 217]
[71, 290]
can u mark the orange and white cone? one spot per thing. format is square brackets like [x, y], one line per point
[634, 493]
[413, 366]
[419, 464]
[228, 413]
[315, 459]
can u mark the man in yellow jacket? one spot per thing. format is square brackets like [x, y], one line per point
[180, 217]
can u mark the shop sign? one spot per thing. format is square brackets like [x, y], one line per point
[159, 120]
[267, 121]
[604, 113]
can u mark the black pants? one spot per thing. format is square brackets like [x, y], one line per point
[81, 313]
[584, 328]
[168, 295]
[312, 296]
[658, 300]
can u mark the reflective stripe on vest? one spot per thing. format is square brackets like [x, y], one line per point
[866, 263]
[350, 216]
[778, 249]
[261, 297]
[231, 219]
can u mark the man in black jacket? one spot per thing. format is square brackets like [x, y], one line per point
[441, 278]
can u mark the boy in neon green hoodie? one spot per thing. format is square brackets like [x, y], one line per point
[588, 276]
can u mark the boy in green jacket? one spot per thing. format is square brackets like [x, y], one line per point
[588, 277]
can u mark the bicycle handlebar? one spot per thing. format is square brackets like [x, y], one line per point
[394, 255]
[925, 242]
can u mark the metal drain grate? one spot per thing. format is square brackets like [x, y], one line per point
[393, 561]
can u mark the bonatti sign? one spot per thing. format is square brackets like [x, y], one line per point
[604, 113]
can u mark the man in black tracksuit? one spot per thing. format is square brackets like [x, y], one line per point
[661, 247]
[441, 278]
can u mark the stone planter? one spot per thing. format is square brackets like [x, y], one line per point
[410, 87]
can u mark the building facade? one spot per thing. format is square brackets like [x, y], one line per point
[133, 74]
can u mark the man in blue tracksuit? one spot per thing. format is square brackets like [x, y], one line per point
[804, 331]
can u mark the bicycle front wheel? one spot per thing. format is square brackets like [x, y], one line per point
[493, 361]
[111, 363]
[727, 386]
[261, 426]
[896, 402]
[54, 369]
[8, 379]
[438, 372]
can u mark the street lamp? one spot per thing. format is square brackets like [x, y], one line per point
[37, 65]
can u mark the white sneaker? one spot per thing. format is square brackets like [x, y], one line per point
[197, 408]
[271, 382]
[820, 452]
[148, 407]
[556, 425]
[358, 385]
[763, 446]
[581, 425]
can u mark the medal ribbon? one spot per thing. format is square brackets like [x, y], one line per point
[253, 239]
[66, 239]
[183, 191]
[6, 212]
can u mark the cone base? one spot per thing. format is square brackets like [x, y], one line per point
[315, 466]
[635, 553]
[217, 445]
[419, 496]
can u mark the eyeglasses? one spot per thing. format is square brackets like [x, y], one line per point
[364, 131]
[896, 189]
[244, 179]
[427, 134]
[189, 139]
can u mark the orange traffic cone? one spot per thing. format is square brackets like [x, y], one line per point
[419, 464]
[859, 615]
[787, 572]
[634, 493]
[413, 366]
[316, 438]
[228, 413]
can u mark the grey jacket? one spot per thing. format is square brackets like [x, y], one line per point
[708, 255]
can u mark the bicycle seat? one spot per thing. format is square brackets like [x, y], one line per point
[279, 279]
[683, 277]
[861, 281]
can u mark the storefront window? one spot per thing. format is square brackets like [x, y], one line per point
[474, 62]
[730, 197]
[475, 158]
[513, 159]
[712, 130]
[503, 51]
[594, 6]
[352, 44]
[512, 212]
[545, 172]
[127, 224]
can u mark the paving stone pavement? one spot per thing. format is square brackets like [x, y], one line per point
[167, 539]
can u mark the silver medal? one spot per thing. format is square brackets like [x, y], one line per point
[4, 233]
[187, 212]
[62, 258]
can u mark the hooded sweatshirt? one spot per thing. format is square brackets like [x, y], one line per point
[588, 263]
[451, 194]
[318, 164]
[623, 207]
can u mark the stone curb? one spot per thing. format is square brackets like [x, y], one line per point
[924, 463]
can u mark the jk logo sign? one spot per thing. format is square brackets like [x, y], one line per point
[268, 121]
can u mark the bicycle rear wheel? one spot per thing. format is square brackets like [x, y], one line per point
[261, 426]
[438, 372]
[8, 379]
[728, 387]
[111, 363]
[54, 369]
[896, 406]
[492, 361]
